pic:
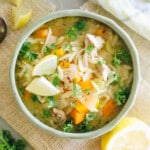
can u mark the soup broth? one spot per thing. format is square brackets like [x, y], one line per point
[74, 74]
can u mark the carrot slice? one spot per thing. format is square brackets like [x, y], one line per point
[77, 116]
[64, 64]
[59, 52]
[86, 85]
[42, 33]
[81, 107]
[99, 31]
[77, 78]
[27, 95]
[109, 108]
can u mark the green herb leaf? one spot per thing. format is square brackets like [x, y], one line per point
[26, 53]
[121, 56]
[48, 50]
[51, 101]
[25, 47]
[68, 126]
[45, 113]
[71, 34]
[76, 89]
[101, 62]
[116, 61]
[7, 142]
[121, 96]
[34, 98]
[80, 24]
[89, 48]
[56, 81]
[86, 124]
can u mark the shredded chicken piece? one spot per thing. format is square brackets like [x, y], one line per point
[50, 39]
[97, 41]
[104, 69]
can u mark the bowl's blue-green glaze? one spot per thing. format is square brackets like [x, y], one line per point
[136, 73]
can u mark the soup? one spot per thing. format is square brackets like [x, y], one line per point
[74, 74]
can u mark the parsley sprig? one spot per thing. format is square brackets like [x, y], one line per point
[26, 53]
[121, 96]
[121, 56]
[78, 26]
[8, 142]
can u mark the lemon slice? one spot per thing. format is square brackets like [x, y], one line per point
[41, 86]
[15, 2]
[129, 134]
[20, 16]
[46, 65]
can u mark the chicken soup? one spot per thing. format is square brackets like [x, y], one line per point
[74, 74]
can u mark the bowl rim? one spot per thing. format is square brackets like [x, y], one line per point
[136, 73]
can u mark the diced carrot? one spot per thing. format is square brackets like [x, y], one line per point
[99, 31]
[86, 85]
[109, 107]
[27, 95]
[59, 52]
[41, 33]
[77, 116]
[77, 78]
[64, 64]
[81, 107]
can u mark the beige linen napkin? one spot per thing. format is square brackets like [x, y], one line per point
[9, 110]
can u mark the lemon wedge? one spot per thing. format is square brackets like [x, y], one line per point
[41, 86]
[20, 16]
[46, 65]
[129, 134]
[15, 2]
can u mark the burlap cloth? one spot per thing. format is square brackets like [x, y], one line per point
[9, 110]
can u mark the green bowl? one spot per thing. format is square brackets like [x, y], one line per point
[135, 84]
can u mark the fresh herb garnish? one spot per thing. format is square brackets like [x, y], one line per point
[79, 25]
[56, 81]
[101, 62]
[45, 113]
[121, 56]
[34, 98]
[26, 53]
[76, 89]
[86, 125]
[89, 48]
[68, 126]
[8, 142]
[116, 61]
[121, 96]
[51, 102]
[48, 49]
